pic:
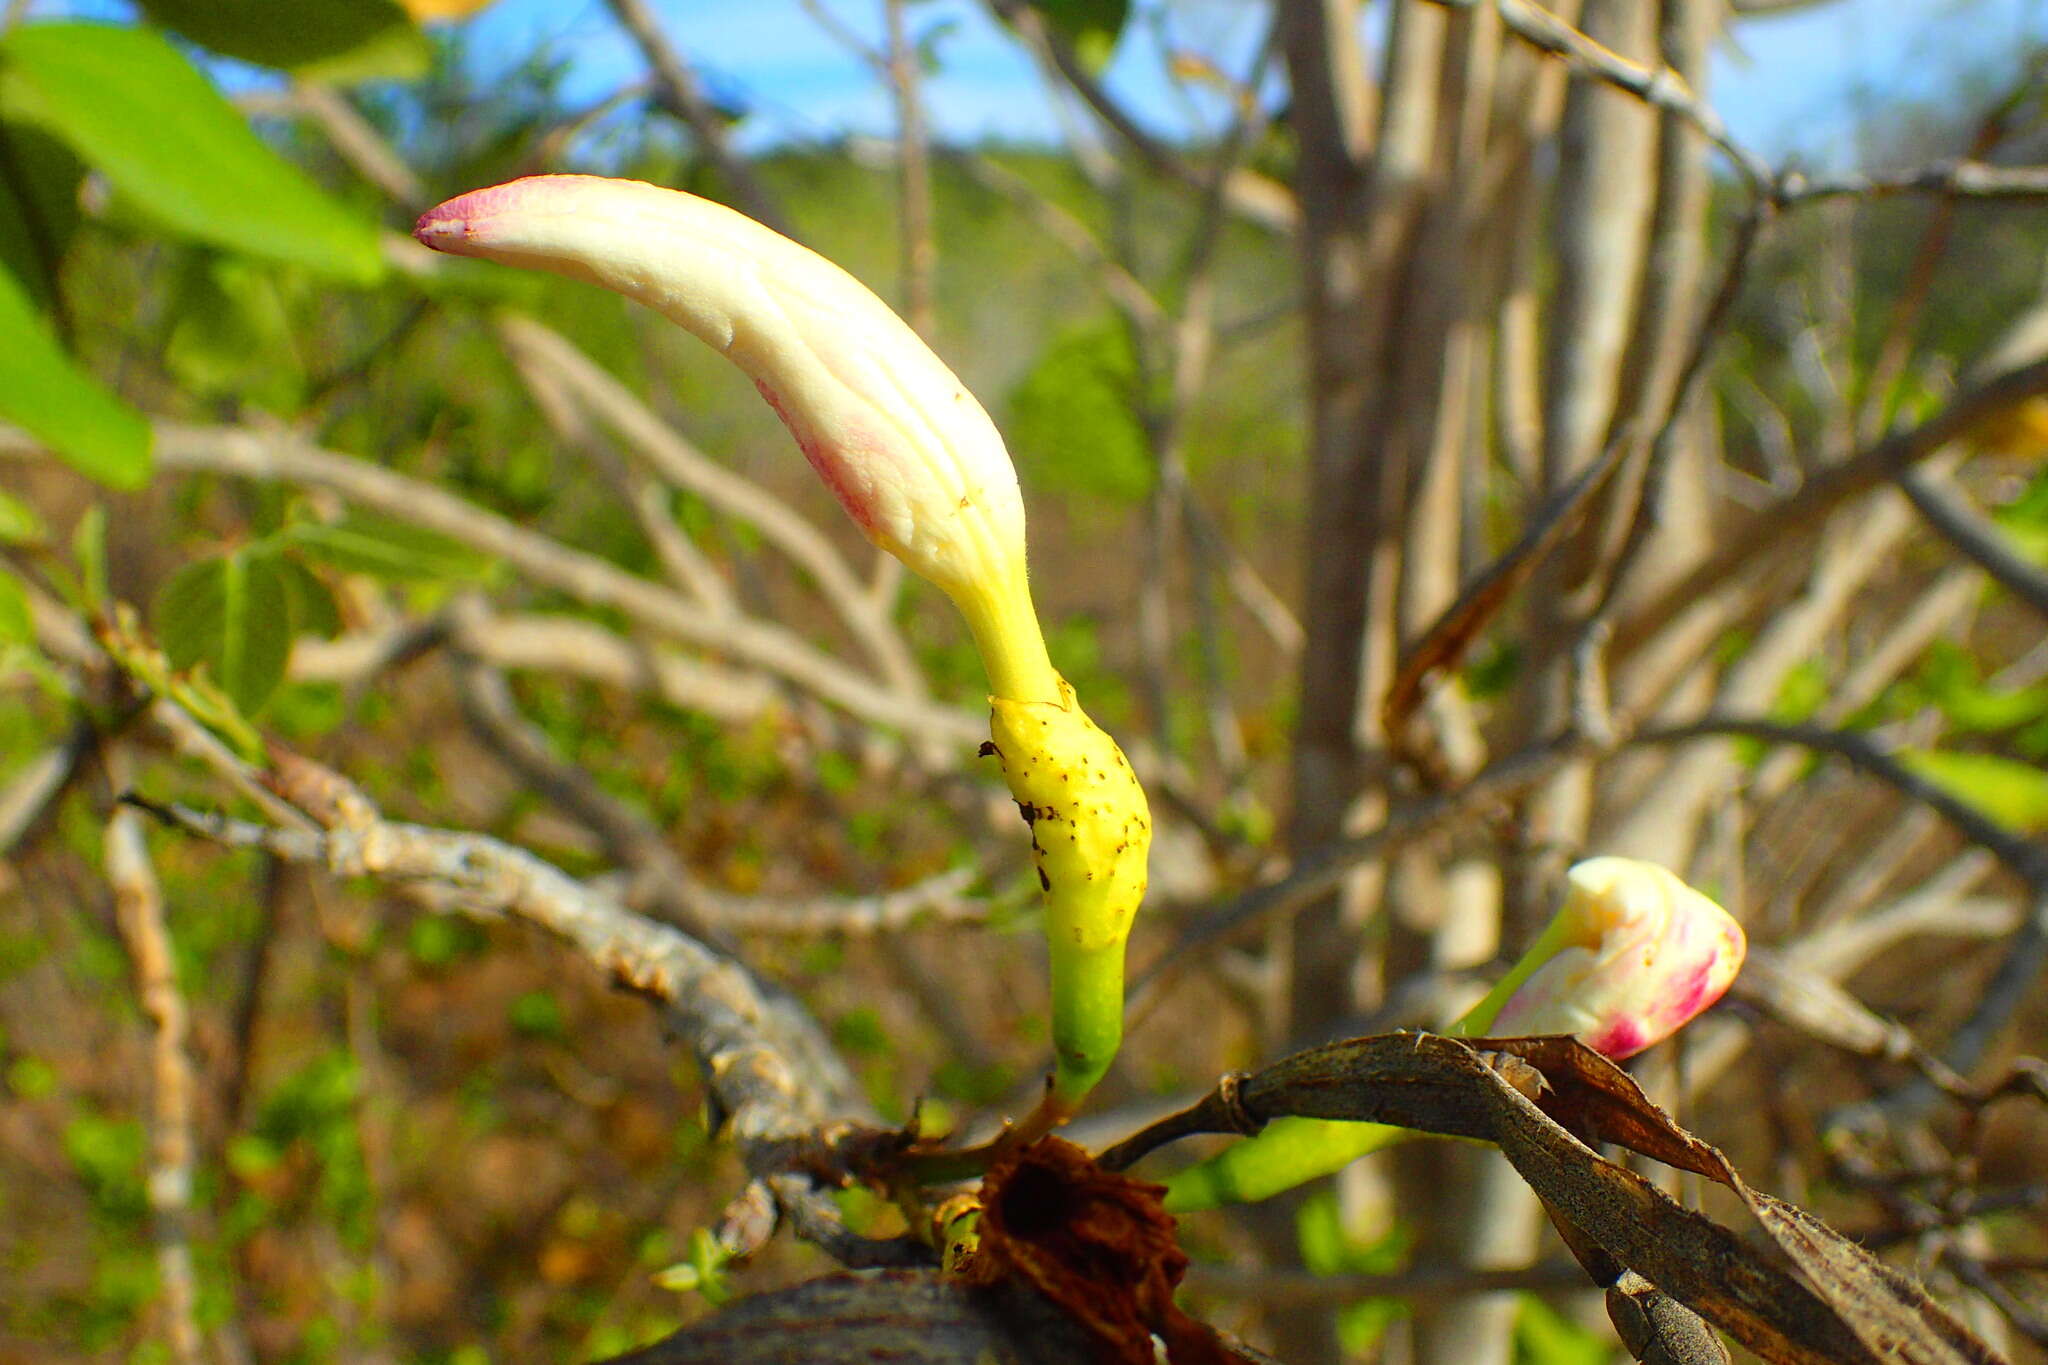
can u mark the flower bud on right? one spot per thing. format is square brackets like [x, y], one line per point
[1631, 956]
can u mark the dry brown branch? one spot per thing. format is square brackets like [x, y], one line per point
[658, 876]
[1947, 179]
[783, 1093]
[682, 561]
[1976, 537]
[677, 89]
[267, 456]
[139, 914]
[1250, 194]
[1657, 86]
[562, 645]
[681, 464]
[1751, 541]
[1813, 1299]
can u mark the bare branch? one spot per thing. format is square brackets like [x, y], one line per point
[1976, 537]
[677, 88]
[1944, 179]
[680, 463]
[1250, 194]
[273, 456]
[549, 644]
[139, 914]
[1749, 542]
[2023, 858]
[1657, 86]
[685, 564]
[1122, 288]
[658, 874]
[35, 789]
[785, 1097]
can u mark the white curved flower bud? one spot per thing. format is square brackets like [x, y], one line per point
[908, 451]
[1631, 956]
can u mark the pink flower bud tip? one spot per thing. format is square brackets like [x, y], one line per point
[1637, 953]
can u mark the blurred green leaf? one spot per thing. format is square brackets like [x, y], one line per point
[38, 207]
[326, 40]
[231, 613]
[142, 115]
[1953, 683]
[1092, 26]
[361, 543]
[2013, 793]
[17, 627]
[233, 335]
[1072, 417]
[19, 524]
[46, 393]
[537, 1014]
[313, 608]
[1328, 1248]
[1543, 1336]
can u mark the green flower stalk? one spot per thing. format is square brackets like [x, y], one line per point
[1632, 954]
[921, 469]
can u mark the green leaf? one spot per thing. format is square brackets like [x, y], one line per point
[1545, 1337]
[19, 524]
[1092, 26]
[1073, 416]
[38, 207]
[17, 627]
[233, 335]
[329, 40]
[44, 391]
[2013, 793]
[233, 615]
[313, 609]
[142, 115]
[384, 548]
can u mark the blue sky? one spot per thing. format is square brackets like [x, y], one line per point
[1796, 83]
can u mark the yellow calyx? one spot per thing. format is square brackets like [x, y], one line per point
[1091, 831]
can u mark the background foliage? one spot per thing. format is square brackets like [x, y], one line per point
[421, 1137]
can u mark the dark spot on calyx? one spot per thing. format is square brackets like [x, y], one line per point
[1044, 882]
[988, 749]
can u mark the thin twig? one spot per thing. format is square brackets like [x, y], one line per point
[680, 463]
[36, 788]
[1250, 194]
[677, 89]
[659, 876]
[1318, 871]
[784, 1096]
[1949, 179]
[2024, 858]
[1748, 543]
[139, 913]
[547, 644]
[1976, 537]
[683, 562]
[275, 456]
[1657, 86]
